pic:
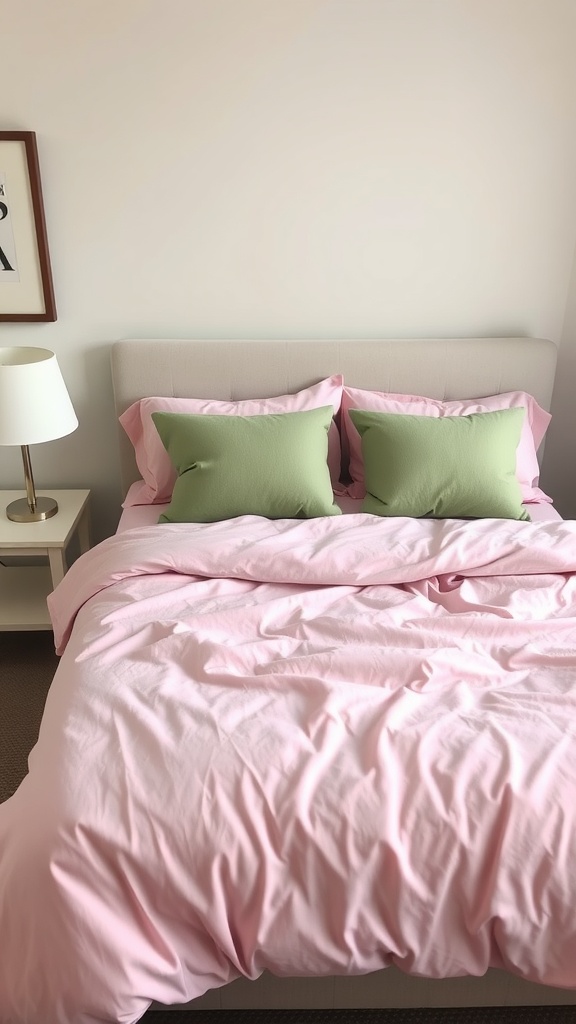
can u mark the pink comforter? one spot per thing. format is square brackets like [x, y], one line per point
[314, 747]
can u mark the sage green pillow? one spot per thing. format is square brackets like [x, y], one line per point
[272, 465]
[447, 467]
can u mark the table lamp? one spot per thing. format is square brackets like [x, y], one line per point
[34, 407]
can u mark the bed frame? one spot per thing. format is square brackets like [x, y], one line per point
[438, 368]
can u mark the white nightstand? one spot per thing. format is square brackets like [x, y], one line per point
[23, 588]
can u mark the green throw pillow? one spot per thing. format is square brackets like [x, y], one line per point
[267, 465]
[447, 467]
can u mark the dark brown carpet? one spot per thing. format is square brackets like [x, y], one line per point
[479, 1015]
[27, 666]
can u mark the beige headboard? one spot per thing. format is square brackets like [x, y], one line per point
[438, 368]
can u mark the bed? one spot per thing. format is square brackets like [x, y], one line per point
[325, 758]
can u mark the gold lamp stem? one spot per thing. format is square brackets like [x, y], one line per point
[30, 509]
[28, 477]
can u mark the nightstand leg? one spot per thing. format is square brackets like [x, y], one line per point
[84, 539]
[57, 565]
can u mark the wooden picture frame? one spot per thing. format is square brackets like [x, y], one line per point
[26, 289]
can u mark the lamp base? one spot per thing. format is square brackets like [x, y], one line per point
[19, 511]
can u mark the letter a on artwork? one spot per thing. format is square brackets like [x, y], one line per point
[8, 264]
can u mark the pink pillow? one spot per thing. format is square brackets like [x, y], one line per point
[158, 474]
[534, 427]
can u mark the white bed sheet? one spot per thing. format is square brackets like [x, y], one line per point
[147, 515]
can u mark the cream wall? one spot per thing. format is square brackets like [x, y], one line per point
[285, 168]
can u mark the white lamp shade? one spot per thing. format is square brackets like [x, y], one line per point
[34, 403]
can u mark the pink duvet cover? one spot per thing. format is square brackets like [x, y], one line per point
[314, 747]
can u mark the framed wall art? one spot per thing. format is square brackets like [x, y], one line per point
[26, 289]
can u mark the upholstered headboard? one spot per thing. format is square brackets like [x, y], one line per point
[438, 368]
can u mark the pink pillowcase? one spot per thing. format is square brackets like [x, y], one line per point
[534, 427]
[158, 474]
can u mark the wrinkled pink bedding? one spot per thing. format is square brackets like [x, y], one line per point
[314, 747]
